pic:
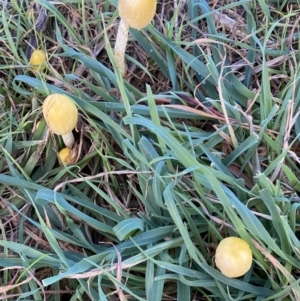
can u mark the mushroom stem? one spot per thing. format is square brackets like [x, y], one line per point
[68, 139]
[120, 46]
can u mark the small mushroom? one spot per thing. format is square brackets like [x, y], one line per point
[61, 115]
[67, 156]
[38, 60]
[136, 14]
[233, 257]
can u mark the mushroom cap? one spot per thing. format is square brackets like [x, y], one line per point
[38, 60]
[137, 13]
[60, 113]
[233, 257]
[67, 156]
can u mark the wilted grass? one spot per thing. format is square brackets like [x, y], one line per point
[198, 142]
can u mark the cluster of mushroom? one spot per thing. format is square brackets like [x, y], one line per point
[233, 255]
[136, 14]
[59, 111]
[61, 115]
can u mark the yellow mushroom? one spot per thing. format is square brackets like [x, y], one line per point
[61, 115]
[233, 257]
[136, 14]
[38, 60]
[67, 156]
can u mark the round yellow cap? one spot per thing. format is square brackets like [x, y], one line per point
[233, 257]
[60, 113]
[38, 60]
[137, 13]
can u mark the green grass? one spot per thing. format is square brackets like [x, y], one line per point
[199, 142]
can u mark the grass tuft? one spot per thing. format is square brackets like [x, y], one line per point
[199, 142]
